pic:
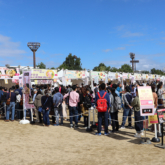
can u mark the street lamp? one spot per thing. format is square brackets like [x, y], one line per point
[132, 56]
[34, 47]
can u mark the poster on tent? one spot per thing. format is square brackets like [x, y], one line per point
[26, 89]
[100, 75]
[125, 76]
[44, 74]
[75, 74]
[44, 82]
[15, 79]
[7, 73]
[146, 101]
[111, 76]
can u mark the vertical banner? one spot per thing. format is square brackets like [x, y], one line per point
[27, 89]
[146, 101]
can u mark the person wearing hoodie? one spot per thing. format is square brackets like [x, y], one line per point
[127, 97]
[37, 103]
[57, 102]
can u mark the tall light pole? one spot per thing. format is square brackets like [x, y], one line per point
[132, 56]
[34, 47]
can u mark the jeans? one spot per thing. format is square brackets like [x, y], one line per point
[29, 113]
[58, 112]
[115, 122]
[100, 115]
[11, 106]
[46, 116]
[86, 121]
[109, 120]
[73, 111]
[127, 112]
[17, 106]
[4, 108]
[138, 125]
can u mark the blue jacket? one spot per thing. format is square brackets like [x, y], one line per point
[57, 98]
[12, 98]
[1, 93]
[106, 97]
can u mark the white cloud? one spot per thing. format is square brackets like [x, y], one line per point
[121, 27]
[120, 48]
[130, 34]
[9, 48]
[107, 50]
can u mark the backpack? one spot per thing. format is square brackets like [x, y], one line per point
[102, 103]
[129, 99]
[117, 103]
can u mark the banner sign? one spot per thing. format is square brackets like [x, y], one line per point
[75, 74]
[146, 101]
[7, 73]
[26, 89]
[100, 75]
[44, 74]
[43, 81]
[161, 115]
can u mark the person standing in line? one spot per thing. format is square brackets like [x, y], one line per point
[114, 112]
[37, 104]
[73, 102]
[103, 114]
[3, 100]
[57, 102]
[138, 119]
[160, 93]
[12, 97]
[46, 102]
[127, 97]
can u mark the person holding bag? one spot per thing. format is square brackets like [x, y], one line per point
[46, 102]
[11, 99]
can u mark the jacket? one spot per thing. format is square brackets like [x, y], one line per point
[112, 110]
[126, 103]
[37, 101]
[4, 97]
[136, 104]
[57, 98]
[48, 103]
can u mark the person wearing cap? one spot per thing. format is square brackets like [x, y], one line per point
[12, 97]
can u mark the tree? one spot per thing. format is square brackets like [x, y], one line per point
[157, 71]
[145, 72]
[41, 65]
[126, 68]
[101, 67]
[71, 63]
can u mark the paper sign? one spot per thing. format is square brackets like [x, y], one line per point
[6, 81]
[161, 115]
[146, 101]
[153, 119]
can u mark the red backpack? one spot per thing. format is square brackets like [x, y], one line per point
[102, 103]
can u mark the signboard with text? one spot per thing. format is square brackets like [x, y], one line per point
[75, 74]
[161, 115]
[43, 74]
[146, 101]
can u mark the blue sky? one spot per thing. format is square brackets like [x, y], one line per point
[94, 30]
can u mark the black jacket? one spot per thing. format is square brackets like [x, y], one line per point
[48, 103]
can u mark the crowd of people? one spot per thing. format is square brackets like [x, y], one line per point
[48, 101]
